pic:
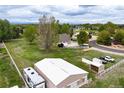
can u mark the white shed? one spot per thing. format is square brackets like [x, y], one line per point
[84, 60]
[95, 65]
[97, 60]
[60, 73]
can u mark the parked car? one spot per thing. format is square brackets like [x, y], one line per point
[60, 45]
[110, 59]
[103, 60]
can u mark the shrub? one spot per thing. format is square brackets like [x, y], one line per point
[104, 38]
[29, 33]
[122, 41]
[82, 37]
[119, 36]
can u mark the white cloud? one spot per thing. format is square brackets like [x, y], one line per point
[20, 13]
[68, 14]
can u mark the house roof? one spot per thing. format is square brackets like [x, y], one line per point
[34, 76]
[64, 38]
[57, 69]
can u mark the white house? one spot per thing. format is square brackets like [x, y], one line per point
[58, 73]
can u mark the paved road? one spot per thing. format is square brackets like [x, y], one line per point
[94, 44]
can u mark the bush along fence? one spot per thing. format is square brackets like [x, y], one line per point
[99, 75]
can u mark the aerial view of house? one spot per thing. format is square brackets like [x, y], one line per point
[54, 46]
[59, 73]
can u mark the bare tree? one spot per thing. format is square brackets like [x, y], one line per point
[47, 31]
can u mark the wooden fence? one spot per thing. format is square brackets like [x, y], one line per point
[109, 69]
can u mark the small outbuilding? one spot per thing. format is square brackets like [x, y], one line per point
[64, 38]
[95, 65]
[59, 73]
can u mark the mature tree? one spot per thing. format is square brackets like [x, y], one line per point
[15, 31]
[101, 28]
[122, 41]
[111, 27]
[82, 37]
[71, 32]
[4, 30]
[87, 26]
[29, 33]
[104, 38]
[119, 36]
[64, 28]
[47, 31]
[8, 31]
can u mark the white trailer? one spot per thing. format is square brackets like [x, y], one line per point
[33, 79]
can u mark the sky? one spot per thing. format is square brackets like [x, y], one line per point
[74, 14]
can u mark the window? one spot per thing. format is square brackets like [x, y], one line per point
[29, 80]
[96, 69]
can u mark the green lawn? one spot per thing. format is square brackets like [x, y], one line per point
[91, 54]
[8, 74]
[26, 55]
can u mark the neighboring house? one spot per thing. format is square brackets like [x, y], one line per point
[95, 65]
[64, 38]
[58, 73]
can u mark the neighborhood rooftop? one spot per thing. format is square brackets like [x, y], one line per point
[57, 69]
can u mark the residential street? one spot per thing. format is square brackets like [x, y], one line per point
[95, 45]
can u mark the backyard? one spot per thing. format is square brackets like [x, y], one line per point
[8, 74]
[26, 55]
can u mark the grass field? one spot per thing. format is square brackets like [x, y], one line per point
[91, 54]
[26, 55]
[8, 74]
